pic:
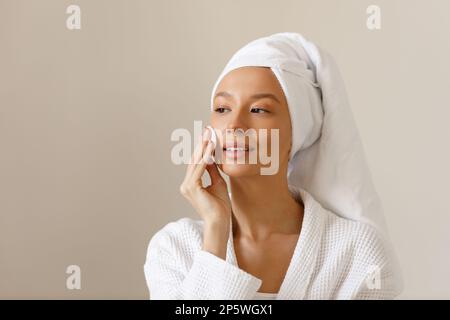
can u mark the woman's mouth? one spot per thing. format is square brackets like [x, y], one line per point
[236, 152]
[235, 149]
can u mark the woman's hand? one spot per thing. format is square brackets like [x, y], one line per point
[213, 202]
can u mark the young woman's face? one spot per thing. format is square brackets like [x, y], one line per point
[251, 99]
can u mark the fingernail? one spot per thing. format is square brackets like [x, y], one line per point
[206, 134]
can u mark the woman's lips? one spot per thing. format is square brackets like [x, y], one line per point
[236, 149]
[236, 152]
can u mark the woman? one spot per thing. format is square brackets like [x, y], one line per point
[313, 229]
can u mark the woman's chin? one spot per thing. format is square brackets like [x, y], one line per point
[239, 170]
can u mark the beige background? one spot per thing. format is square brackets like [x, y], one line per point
[86, 118]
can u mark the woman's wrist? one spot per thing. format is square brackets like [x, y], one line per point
[215, 237]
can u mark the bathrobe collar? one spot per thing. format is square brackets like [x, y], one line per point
[303, 260]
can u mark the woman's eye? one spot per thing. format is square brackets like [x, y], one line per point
[259, 110]
[220, 109]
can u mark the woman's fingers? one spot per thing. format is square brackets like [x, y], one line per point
[198, 152]
[214, 173]
[199, 160]
[200, 167]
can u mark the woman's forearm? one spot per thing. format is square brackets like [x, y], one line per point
[215, 237]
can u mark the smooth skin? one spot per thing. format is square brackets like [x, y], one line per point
[266, 219]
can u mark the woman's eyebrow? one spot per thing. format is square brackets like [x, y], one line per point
[255, 96]
[265, 95]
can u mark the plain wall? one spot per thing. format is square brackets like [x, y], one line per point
[86, 115]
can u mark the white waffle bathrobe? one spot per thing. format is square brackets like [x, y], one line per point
[335, 258]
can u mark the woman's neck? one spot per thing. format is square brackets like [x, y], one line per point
[263, 206]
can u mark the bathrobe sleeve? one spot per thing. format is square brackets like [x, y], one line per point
[172, 272]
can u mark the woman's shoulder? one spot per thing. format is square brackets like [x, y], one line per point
[359, 252]
[181, 235]
[359, 239]
[181, 227]
[344, 228]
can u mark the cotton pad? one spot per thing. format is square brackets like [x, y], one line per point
[213, 139]
[213, 135]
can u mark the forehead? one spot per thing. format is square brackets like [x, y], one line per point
[249, 80]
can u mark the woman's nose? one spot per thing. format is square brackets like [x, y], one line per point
[237, 122]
